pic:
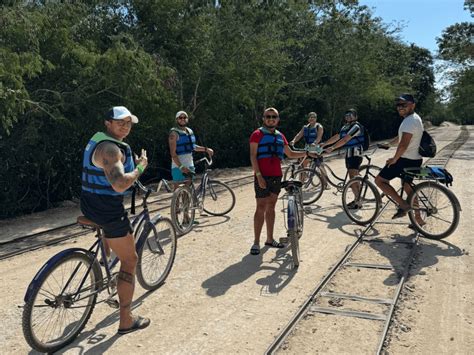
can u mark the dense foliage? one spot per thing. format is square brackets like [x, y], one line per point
[456, 46]
[64, 64]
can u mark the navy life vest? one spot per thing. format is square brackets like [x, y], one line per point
[186, 141]
[93, 178]
[357, 141]
[310, 133]
[271, 145]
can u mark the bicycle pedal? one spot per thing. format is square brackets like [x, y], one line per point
[113, 303]
[284, 240]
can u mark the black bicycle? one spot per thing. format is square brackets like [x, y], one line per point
[61, 297]
[434, 209]
[316, 178]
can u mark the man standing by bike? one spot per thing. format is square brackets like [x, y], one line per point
[182, 144]
[108, 172]
[406, 155]
[267, 146]
[350, 137]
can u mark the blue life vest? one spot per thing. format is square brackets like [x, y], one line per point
[357, 141]
[93, 178]
[310, 133]
[186, 142]
[271, 145]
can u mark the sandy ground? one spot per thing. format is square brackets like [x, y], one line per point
[219, 299]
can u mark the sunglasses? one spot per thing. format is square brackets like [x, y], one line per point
[122, 123]
[182, 117]
[273, 117]
[402, 105]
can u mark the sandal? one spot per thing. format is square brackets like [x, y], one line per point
[274, 244]
[255, 249]
[138, 323]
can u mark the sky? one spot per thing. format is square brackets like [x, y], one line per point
[424, 19]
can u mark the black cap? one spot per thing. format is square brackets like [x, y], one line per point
[351, 111]
[406, 98]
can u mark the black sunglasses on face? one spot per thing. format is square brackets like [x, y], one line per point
[271, 117]
[182, 117]
[401, 105]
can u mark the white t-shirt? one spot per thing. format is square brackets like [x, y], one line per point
[412, 124]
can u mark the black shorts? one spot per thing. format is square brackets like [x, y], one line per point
[353, 162]
[108, 212]
[273, 186]
[396, 170]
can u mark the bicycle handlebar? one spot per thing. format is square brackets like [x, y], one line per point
[206, 159]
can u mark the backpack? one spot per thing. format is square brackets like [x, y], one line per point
[442, 175]
[427, 147]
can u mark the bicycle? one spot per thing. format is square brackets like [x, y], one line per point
[211, 196]
[315, 180]
[294, 215]
[434, 209]
[61, 297]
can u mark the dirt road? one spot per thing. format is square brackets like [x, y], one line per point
[219, 299]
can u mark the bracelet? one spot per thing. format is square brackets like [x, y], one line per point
[258, 173]
[181, 167]
[205, 149]
[140, 168]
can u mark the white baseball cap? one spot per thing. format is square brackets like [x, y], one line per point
[179, 113]
[121, 112]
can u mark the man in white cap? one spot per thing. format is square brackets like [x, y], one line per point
[108, 172]
[182, 143]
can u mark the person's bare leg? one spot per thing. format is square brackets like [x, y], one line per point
[259, 218]
[124, 248]
[408, 191]
[355, 187]
[270, 215]
[388, 190]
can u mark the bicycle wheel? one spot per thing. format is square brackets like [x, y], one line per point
[156, 256]
[292, 218]
[312, 188]
[219, 198]
[182, 210]
[287, 173]
[437, 208]
[300, 213]
[57, 310]
[362, 205]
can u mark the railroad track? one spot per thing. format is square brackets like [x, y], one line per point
[69, 231]
[323, 300]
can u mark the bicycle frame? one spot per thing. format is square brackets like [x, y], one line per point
[199, 192]
[96, 248]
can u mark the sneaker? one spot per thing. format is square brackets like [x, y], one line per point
[401, 213]
[354, 205]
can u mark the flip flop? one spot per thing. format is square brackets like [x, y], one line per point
[138, 323]
[255, 249]
[275, 244]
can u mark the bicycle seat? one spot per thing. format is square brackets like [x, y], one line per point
[289, 183]
[84, 221]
